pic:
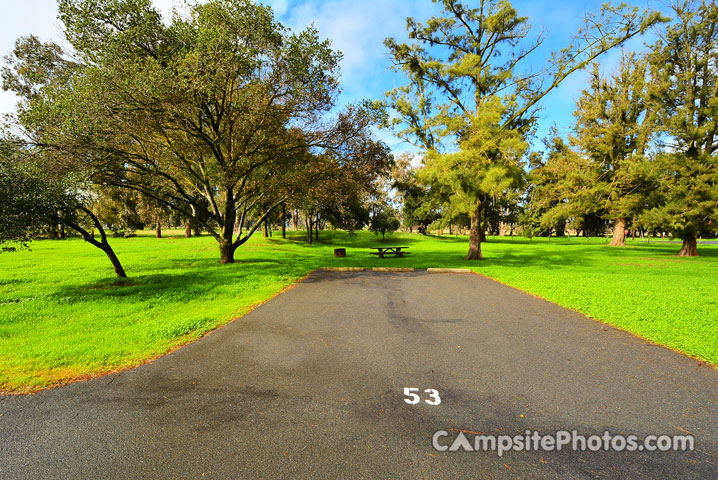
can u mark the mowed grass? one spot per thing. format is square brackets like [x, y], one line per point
[64, 316]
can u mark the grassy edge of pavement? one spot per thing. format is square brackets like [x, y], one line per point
[155, 268]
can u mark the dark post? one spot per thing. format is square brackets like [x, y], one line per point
[284, 220]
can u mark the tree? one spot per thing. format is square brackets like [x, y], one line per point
[33, 66]
[685, 61]
[216, 110]
[384, 221]
[34, 195]
[561, 190]
[614, 123]
[26, 201]
[469, 109]
[337, 184]
[39, 187]
[418, 207]
[152, 212]
[487, 166]
[348, 213]
[117, 210]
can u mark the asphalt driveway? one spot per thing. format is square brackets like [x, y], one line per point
[310, 385]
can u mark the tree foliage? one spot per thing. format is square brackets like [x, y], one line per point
[219, 115]
[469, 105]
[609, 174]
[384, 221]
[36, 191]
[27, 199]
[685, 60]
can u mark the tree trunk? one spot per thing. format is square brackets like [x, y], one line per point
[61, 232]
[266, 233]
[226, 251]
[103, 245]
[316, 229]
[475, 234]
[308, 223]
[619, 233]
[689, 248]
[284, 220]
[187, 228]
[115, 261]
[633, 229]
[504, 229]
[158, 230]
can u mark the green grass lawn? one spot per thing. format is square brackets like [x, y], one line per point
[63, 314]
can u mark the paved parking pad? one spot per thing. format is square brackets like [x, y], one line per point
[311, 385]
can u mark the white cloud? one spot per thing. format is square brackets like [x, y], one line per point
[358, 30]
[39, 17]
[280, 7]
[167, 7]
[20, 19]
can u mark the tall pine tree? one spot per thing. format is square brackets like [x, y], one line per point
[685, 60]
[614, 123]
[471, 98]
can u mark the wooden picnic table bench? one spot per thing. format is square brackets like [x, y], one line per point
[396, 251]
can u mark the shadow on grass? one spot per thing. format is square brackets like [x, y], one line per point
[671, 250]
[192, 283]
[188, 279]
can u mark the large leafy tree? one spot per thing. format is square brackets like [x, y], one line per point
[470, 101]
[36, 192]
[214, 115]
[686, 64]
[27, 200]
[39, 188]
[485, 171]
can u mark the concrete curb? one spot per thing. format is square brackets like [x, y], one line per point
[343, 269]
[448, 270]
[391, 269]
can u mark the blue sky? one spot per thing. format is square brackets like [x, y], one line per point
[358, 28]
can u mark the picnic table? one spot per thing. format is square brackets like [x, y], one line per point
[396, 251]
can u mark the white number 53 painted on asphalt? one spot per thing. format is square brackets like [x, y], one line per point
[412, 396]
